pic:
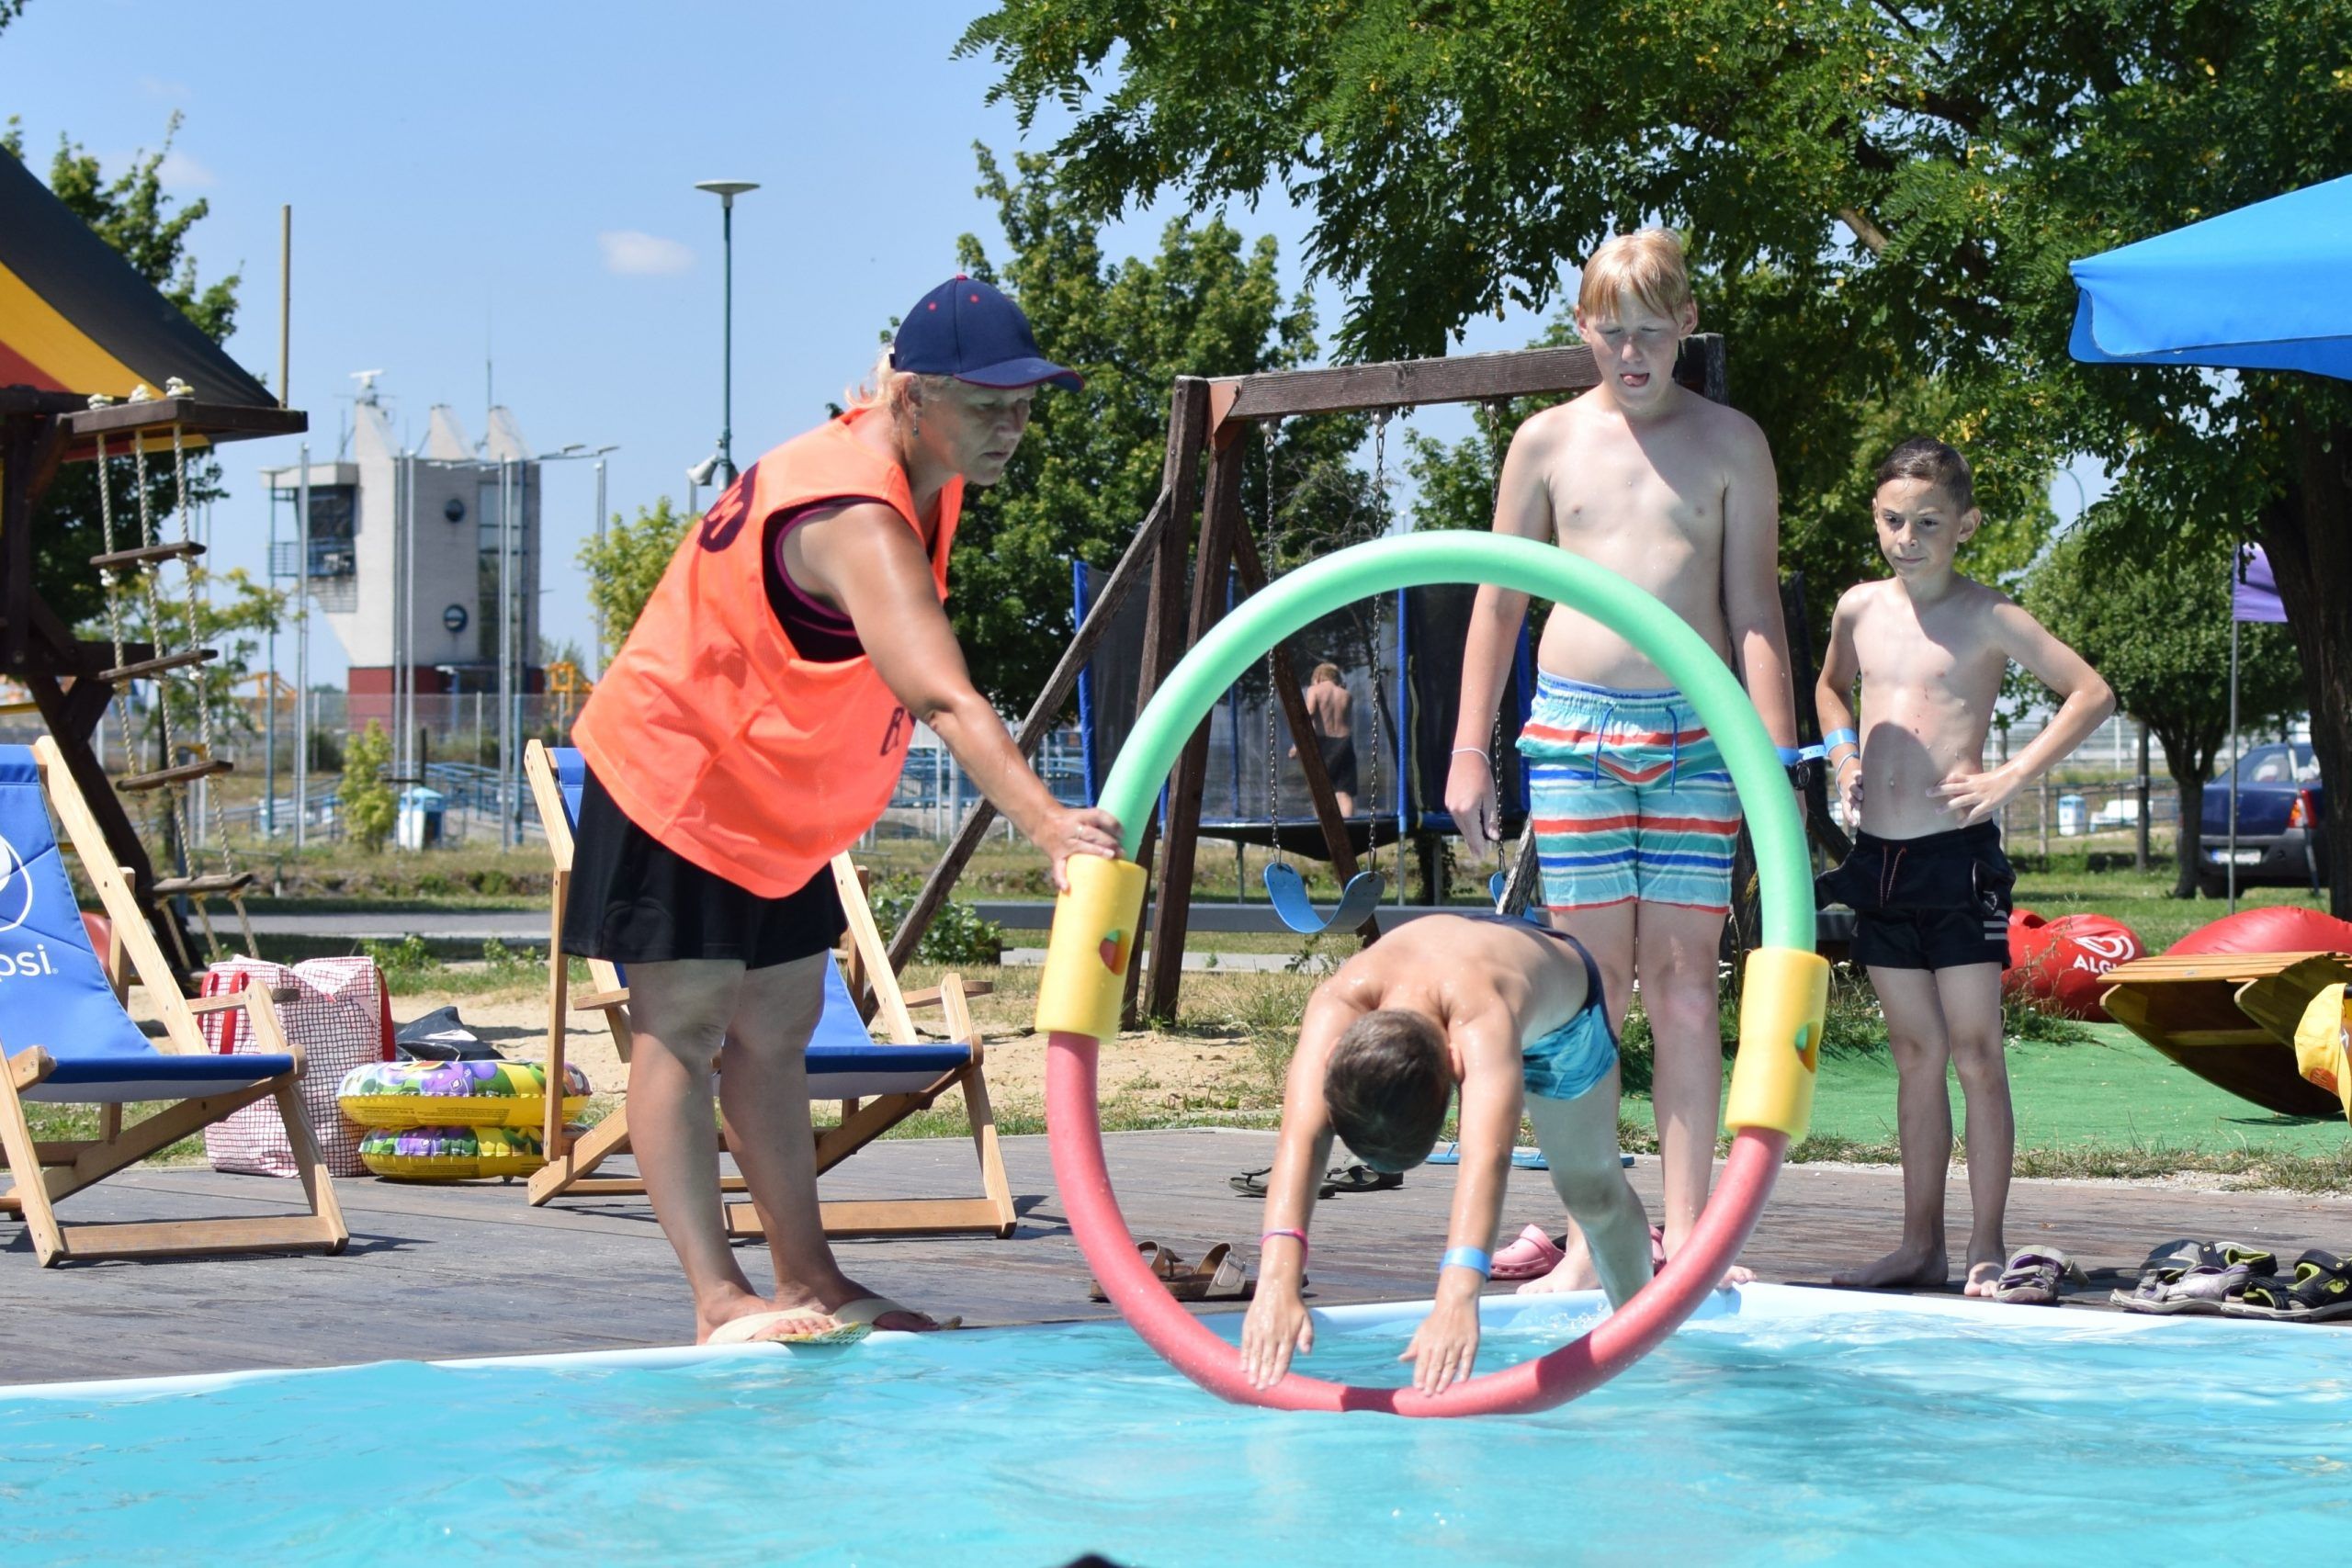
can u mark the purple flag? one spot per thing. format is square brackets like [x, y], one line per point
[2255, 592]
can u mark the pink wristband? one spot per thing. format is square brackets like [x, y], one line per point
[1298, 1236]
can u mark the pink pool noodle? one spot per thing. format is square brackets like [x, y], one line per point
[1075, 1132]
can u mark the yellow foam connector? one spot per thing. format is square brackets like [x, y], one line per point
[1093, 940]
[2323, 1043]
[1785, 996]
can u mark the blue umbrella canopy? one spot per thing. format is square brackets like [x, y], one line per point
[2264, 288]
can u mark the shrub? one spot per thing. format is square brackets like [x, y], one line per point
[957, 933]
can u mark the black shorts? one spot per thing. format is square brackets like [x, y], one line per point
[1939, 902]
[1339, 762]
[635, 900]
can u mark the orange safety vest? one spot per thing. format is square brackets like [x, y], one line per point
[710, 731]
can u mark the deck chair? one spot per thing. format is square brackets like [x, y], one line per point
[2230, 1018]
[65, 1039]
[878, 1085]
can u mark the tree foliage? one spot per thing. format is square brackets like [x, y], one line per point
[366, 798]
[625, 565]
[1208, 304]
[134, 214]
[2151, 612]
[1880, 192]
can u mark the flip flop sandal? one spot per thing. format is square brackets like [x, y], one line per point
[868, 1309]
[794, 1325]
[2320, 1290]
[1531, 1256]
[1361, 1178]
[2033, 1276]
[1253, 1184]
[1164, 1265]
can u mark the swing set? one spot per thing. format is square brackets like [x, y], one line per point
[1211, 418]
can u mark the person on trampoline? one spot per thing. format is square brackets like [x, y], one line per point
[1510, 1014]
[1332, 712]
[1635, 815]
[1926, 879]
[752, 727]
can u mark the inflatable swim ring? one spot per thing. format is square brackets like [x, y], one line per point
[456, 1094]
[450, 1154]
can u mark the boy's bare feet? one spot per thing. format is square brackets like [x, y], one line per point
[1904, 1266]
[1983, 1274]
[1574, 1271]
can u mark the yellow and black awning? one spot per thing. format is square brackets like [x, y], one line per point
[76, 317]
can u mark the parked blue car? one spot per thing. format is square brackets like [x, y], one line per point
[2283, 823]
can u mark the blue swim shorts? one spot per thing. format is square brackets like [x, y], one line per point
[1567, 1062]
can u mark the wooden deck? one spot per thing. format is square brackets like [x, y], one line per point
[446, 1271]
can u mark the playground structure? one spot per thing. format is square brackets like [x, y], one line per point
[86, 341]
[1187, 573]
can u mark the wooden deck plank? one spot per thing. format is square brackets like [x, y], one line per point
[442, 1271]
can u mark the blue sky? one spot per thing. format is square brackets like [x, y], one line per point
[513, 182]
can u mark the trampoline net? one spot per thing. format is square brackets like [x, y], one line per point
[1419, 634]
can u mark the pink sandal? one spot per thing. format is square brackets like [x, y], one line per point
[1531, 1256]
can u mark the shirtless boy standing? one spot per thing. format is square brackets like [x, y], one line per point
[1635, 813]
[1510, 1014]
[1331, 711]
[1928, 881]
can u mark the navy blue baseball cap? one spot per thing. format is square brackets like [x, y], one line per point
[967, 330]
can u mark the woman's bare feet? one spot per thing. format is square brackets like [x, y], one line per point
[1904, 1266]
[1983, 1275]
[1575, 1271]
[731, 1301]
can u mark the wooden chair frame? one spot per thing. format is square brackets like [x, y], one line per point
[573, 1160]
[2230, 1018]
[47, 1171]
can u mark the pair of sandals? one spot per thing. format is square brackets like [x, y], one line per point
[1533, 1254]
[1358, 1177]
[2318, 1291]
[2034, 1276]
[1217, 1277]
[2192, 1278]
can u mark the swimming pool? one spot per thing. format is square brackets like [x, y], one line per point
[1782, 1425]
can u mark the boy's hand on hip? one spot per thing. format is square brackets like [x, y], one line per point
[1470, 796]
[1278, 1324]
[1445, 1347]
[1065, 831]
[1974, 797]
[1849, 787]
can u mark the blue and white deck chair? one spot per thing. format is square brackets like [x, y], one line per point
[878, 1085]
[65, 1039]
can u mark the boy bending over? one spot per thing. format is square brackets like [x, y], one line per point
[1926, 880]
[1513, 1014]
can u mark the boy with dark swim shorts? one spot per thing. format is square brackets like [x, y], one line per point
[1927, 882]
[1513, 1015]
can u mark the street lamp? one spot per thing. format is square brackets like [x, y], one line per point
[727, 191]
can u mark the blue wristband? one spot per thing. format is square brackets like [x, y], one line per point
[1842, 738]
[1467, 1258]
[1789, 755]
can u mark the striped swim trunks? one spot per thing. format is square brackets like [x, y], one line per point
[1630, 798]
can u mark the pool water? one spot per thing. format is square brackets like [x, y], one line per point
[1784, 1425]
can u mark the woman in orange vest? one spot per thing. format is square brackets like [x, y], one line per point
[752, 727]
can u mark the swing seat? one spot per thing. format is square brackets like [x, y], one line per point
[1286, 890]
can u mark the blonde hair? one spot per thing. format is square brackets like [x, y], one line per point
[1647, 263]
[888, 387]
[1325, 672]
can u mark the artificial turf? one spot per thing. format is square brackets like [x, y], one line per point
[2109, 1091]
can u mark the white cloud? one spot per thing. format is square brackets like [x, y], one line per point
[634, 255]
[162, 87]
[180, 171]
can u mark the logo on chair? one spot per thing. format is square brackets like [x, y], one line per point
[16, 887]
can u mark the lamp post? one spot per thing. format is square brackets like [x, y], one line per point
[727, 191]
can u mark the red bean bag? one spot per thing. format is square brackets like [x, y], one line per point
[2275, 928]
[2061, 965]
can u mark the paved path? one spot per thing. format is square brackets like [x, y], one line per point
[442, 1271]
